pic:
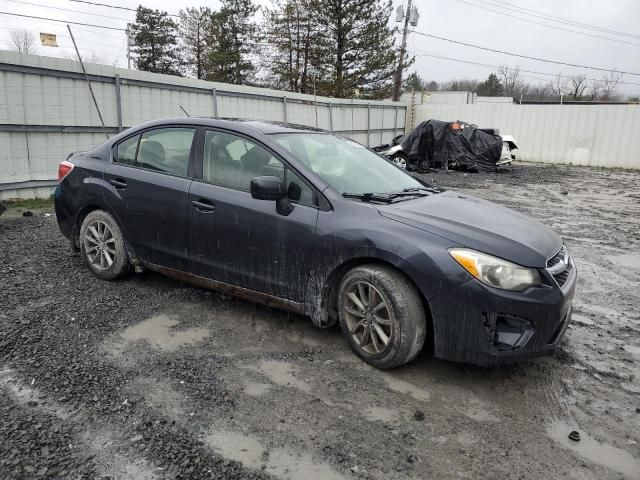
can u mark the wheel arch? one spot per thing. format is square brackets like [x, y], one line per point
[86, 210]
[325, 311]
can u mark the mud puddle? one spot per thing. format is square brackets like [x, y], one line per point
[281, 373]
[160, 334]
[600, 453]
[406, 388]
[279, 462]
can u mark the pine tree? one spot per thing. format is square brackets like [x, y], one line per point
[291, 35]
[491, 87]
[356, 47]
[231, 39]
[194, 27]
[155, 47]
[414, 82]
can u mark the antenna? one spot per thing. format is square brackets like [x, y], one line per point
[86, 77]
[185, 112]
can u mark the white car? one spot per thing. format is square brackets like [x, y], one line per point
[508, 146]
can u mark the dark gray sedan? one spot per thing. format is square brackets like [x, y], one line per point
[315, 223]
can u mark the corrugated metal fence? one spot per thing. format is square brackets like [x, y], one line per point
[46, 112]
[594, 135]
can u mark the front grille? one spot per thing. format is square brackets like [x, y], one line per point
[561, 278]
[559, 266]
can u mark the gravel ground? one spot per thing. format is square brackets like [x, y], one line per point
[149, 378]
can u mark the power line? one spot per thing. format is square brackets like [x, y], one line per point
[557, 62]
[548, 25]
[66, 9]
[62, 21]
[424, 53]
[115, 6]
[566, 21]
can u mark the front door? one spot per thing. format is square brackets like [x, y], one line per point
[150, 180]
[242, 241]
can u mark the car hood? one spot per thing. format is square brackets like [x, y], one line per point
[480, 225]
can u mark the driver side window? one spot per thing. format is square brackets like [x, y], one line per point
[232, 161]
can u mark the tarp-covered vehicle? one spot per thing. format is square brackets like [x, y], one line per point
[456, 145]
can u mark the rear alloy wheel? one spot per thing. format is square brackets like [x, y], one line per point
[381, 315]
[102, 246]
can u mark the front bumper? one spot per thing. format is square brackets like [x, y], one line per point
[481, 325]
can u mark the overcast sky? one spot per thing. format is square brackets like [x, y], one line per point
[467, 21]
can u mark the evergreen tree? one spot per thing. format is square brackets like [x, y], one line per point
[291, 35]
[194, 27]
[356, 47]
[231, 39]
[414, 82]
[491, 87]
[155, 47]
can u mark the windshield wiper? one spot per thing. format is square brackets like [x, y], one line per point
[423, 189]
[389, 197]
[370, 197]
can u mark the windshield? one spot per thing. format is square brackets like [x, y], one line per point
[346, 165]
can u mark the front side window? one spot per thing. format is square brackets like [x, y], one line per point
[232, 161]
[346, 165]
[166, 150]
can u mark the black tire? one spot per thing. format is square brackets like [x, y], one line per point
[407, 323]
[111, 242]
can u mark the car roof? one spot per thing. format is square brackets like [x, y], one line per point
[265, 127]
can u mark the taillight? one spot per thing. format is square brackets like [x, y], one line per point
[64, 169]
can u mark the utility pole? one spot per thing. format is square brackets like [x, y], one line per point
[410, 17]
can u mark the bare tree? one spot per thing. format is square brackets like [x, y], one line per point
[510, 79]
[609, 83]
[93, 58]
[595, 89]
[578, 84]
[559, 86]
[22, 41]
[460, 85]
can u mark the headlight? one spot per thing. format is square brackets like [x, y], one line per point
[494, 271]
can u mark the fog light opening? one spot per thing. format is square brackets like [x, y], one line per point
[507, 332]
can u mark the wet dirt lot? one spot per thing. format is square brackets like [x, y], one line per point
[149, 378]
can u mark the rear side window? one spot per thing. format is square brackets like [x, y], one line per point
[166, 150]
[126, 151]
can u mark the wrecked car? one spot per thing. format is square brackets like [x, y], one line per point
[456, 145]
[314, 223]
[450, 145]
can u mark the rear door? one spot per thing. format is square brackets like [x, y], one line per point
[242, 241]
[149, 179]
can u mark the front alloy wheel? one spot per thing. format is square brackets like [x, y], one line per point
[367, 317]
[381, 315]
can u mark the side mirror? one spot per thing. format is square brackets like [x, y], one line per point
[268, 188]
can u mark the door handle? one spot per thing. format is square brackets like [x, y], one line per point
[118, 183]
[204, 206]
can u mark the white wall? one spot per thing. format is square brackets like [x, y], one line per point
[593, 135]
[46, 112]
